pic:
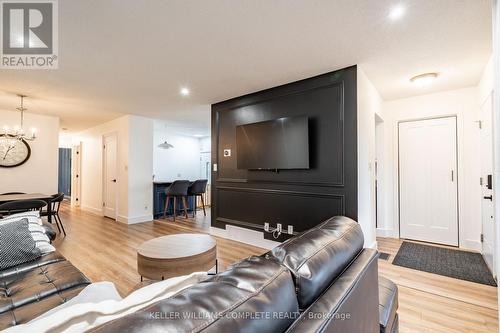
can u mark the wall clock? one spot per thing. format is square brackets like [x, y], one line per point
[13, 152]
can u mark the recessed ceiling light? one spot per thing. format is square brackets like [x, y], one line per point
[397, 12]
[184, 91]
[424, 80]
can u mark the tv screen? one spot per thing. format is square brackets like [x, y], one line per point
[275, 144]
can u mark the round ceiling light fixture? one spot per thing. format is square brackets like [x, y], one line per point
[184, 91]
[424, 80]
[397, 12]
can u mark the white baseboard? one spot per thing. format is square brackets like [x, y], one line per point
[373, 245]
[91, 210]
[386, 233]
[243, 235]
[134, 219]
[469, 244]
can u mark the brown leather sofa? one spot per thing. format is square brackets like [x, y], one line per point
[320, 281]
[31, 289]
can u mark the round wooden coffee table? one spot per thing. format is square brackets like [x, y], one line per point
[174, 255]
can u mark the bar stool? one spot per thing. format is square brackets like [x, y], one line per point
[178, 189]
[198, 189]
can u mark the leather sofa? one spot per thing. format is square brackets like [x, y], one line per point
[31, 289]
[320, 281]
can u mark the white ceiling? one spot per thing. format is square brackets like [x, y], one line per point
[129, 56]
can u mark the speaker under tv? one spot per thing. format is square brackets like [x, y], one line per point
[278, 144]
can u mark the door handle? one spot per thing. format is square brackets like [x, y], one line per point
[488, 197]
[114, 180]
[452, 175]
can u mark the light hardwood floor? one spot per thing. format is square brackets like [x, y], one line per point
[434, 303]
[105, 250]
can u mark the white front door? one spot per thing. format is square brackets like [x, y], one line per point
[486, 148]
[428, 180]
[109, 175]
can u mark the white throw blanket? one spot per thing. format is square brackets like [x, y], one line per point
[99, 303]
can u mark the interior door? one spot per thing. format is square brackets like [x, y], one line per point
[428, 180]
[75, 174]
[486, 149]
[110, 173]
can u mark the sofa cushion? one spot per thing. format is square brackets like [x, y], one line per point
[22, 239]
[349, 304]
[33, 288]
[317, 256]
[255, 295]
[388, 304]
[17, 246]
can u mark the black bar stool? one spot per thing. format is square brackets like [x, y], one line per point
[198, 189]
[178, 189]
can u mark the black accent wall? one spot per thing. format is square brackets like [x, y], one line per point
[304, 198]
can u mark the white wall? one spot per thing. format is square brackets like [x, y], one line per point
[140, 170]
[369, 104]
[92, 165]
[134, 164]
[205, 144]
[487, 81]
[464, 103]
[40, 172]
[180, 162]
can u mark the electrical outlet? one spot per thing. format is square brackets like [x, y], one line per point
[290, 229]
[266, 227]
[279, 227]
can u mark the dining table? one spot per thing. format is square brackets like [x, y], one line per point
[30, 196]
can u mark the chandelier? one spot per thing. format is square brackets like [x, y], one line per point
[17, 133]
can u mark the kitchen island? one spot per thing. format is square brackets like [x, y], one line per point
[159, 201]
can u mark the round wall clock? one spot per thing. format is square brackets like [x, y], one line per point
[13, 152]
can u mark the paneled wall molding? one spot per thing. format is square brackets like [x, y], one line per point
[281, 192]
[302, 198]
[340, 183]
[232, 103]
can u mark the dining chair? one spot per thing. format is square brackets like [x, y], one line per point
[56, 204]
[178, 189]
[198, 189]
[18, 206]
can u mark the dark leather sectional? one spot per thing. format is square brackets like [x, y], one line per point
[320, 281]
[31, 289]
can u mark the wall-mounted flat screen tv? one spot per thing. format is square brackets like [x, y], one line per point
[276, 144]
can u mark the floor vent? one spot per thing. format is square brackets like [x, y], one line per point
[383, 256]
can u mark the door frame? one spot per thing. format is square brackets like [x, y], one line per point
[76, 174]
[457, 167]
[103, 174]
[490, 98]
